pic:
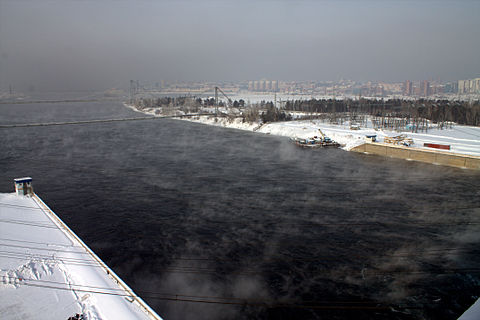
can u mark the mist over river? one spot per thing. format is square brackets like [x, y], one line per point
[270, 230]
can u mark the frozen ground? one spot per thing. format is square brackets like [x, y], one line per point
[47, 274]
[462, 139]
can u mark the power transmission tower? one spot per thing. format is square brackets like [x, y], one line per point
[216, 101]
[133, 89]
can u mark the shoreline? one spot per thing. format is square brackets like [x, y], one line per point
[350, 140]
[290, 129]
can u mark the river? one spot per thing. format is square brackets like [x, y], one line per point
[270, 230]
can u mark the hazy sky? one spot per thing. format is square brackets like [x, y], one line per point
[105, 43]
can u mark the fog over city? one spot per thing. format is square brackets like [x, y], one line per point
[78, 45]
[238, 160]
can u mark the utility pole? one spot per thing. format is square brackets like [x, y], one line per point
[132, 90]
[216, 101]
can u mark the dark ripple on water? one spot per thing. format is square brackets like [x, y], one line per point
[182, 208]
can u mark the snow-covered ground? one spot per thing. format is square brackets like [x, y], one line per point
[48, 274]
[462, 139]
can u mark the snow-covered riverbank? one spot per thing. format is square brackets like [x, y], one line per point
[462, 139]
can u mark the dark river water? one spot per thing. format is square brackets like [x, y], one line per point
[271, 231]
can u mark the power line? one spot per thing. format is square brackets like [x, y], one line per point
[47, 124]
[423, 210]
[190, 296]
[185, 270]
[18, 206]
[60, 101]
[257, 268]
[283, 258]
[308, 223]
[45, 249]
[327, 305]
[27, 223]
[38, 242]
[298, 224]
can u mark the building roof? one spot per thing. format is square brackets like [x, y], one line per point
[472, 313]
[48, 272]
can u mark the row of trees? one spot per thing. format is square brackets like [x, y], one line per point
[181, 102]
[461, 112]
[168, 105]
[272, 114]
[437, 111]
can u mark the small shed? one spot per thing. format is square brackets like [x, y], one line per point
[354, 127]
[23, 186]
[371, 137]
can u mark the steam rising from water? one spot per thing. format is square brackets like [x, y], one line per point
[176, 207]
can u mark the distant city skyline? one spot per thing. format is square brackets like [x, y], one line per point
[344, 88]
[90, 44]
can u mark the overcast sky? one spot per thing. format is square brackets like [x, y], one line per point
[106, 43]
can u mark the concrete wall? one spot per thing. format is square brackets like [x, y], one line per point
[428, 156]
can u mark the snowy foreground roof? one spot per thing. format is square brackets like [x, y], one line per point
[473, 313]
[47, 272]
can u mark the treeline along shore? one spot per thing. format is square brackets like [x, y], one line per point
[388, 113]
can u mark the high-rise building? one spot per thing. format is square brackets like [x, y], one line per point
[380, 91]
[408, 88]
[450, 87]
[274, 85]
[417, 90]
[425, 88]
[256, 85]
[268, 85]
[469, 86]
[263, 85]
[461, 86]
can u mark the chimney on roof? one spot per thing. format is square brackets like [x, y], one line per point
[23, 186]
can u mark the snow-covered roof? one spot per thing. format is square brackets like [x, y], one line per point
[48, 272]
[473, 313]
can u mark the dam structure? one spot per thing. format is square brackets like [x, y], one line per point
[420, 154]
[47, 271]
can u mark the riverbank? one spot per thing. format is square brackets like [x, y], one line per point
[463, 140]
